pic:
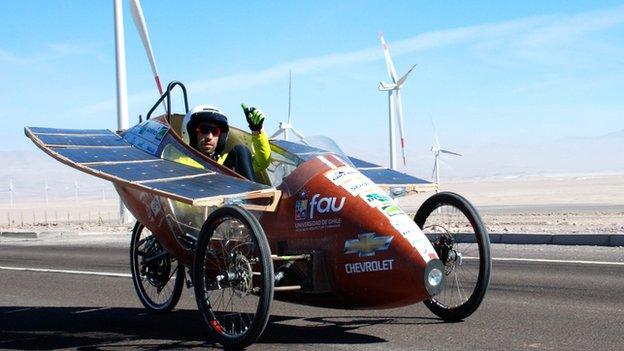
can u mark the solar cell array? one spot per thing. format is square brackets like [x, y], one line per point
[145, 171]
[107, 155]
[93, 154]
[92, 140]
[378, 174]
[362, 164]
[391, 177]
[39, 130]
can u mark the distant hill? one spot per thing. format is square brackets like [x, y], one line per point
[616, 135]
[30, 169]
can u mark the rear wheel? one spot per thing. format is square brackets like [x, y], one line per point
[158, 278]
[233, 276]
[462, 243]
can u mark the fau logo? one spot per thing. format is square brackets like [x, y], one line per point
[318, 204]
[301, 210]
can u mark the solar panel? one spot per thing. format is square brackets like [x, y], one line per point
[207, 186]
[388, 176]
[38, 130]
[99, 154]
[158, 169]
[82, 140]
[363, 164]
[106, 155]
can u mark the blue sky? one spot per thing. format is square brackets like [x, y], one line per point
[488, 71]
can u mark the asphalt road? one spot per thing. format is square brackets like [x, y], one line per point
[568, 304]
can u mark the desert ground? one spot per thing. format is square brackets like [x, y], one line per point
[543, 204]
[530, 204]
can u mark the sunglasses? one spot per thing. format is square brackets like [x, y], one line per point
[207, 128]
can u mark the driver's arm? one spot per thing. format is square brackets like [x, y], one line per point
[261, 151]
[261, 146]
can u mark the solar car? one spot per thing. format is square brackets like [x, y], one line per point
[318, 227]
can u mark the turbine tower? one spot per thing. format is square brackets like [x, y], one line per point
[437, 150]
[284, 127]
[395, 107]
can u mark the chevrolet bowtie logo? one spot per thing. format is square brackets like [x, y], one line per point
[366, 244]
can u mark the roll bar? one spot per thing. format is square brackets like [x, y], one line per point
[167, 95]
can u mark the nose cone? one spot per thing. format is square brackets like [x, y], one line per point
[375, 255]
[386, 260]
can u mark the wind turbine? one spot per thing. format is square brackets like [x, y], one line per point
[139, 22]
[395, 107]
[284, 127]
[437, 150]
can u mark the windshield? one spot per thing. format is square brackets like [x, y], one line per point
[326, 143]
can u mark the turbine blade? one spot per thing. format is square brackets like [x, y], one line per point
[435, 163]
[389, 64]
[297, 133]
[450, 152]
[435, 134]
[402, 79]
[141, 26]
[278, 132]
[399, 115]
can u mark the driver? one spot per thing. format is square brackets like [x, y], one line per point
[206, 129]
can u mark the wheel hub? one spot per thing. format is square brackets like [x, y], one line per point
[156, 271]
[445, 248]
[241, 270]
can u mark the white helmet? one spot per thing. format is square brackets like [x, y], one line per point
[202, 113]
[205, 113]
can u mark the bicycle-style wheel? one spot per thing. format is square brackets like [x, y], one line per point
[233, 276]
[158, 278]
[462, 243]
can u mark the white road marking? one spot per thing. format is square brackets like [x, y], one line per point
[19, 310]
[127, 275]
[45, 270]
[602, 263]
[91, 310]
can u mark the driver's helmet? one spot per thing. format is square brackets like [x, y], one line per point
[204, 113]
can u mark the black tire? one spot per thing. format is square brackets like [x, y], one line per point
[233, 264]
[158, 283]
[462, 242]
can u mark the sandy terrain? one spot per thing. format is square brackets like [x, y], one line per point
[555, 204]
[564, 204]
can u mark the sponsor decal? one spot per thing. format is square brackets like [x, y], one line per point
[147, 136]
[392, 210]
[358, 185]
[318, 224]
[161, 134]
[370, 266]
[155, 206]
[301, 210]
[367, 244]
[306, 211]
[341, 175]
[377, 198]
[410, 231]
[318, 205]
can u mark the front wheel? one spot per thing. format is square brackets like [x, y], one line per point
[233, 276]
[459, 237]
[158, 278]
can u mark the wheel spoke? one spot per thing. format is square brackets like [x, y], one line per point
[156, 275]
[462, 244]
